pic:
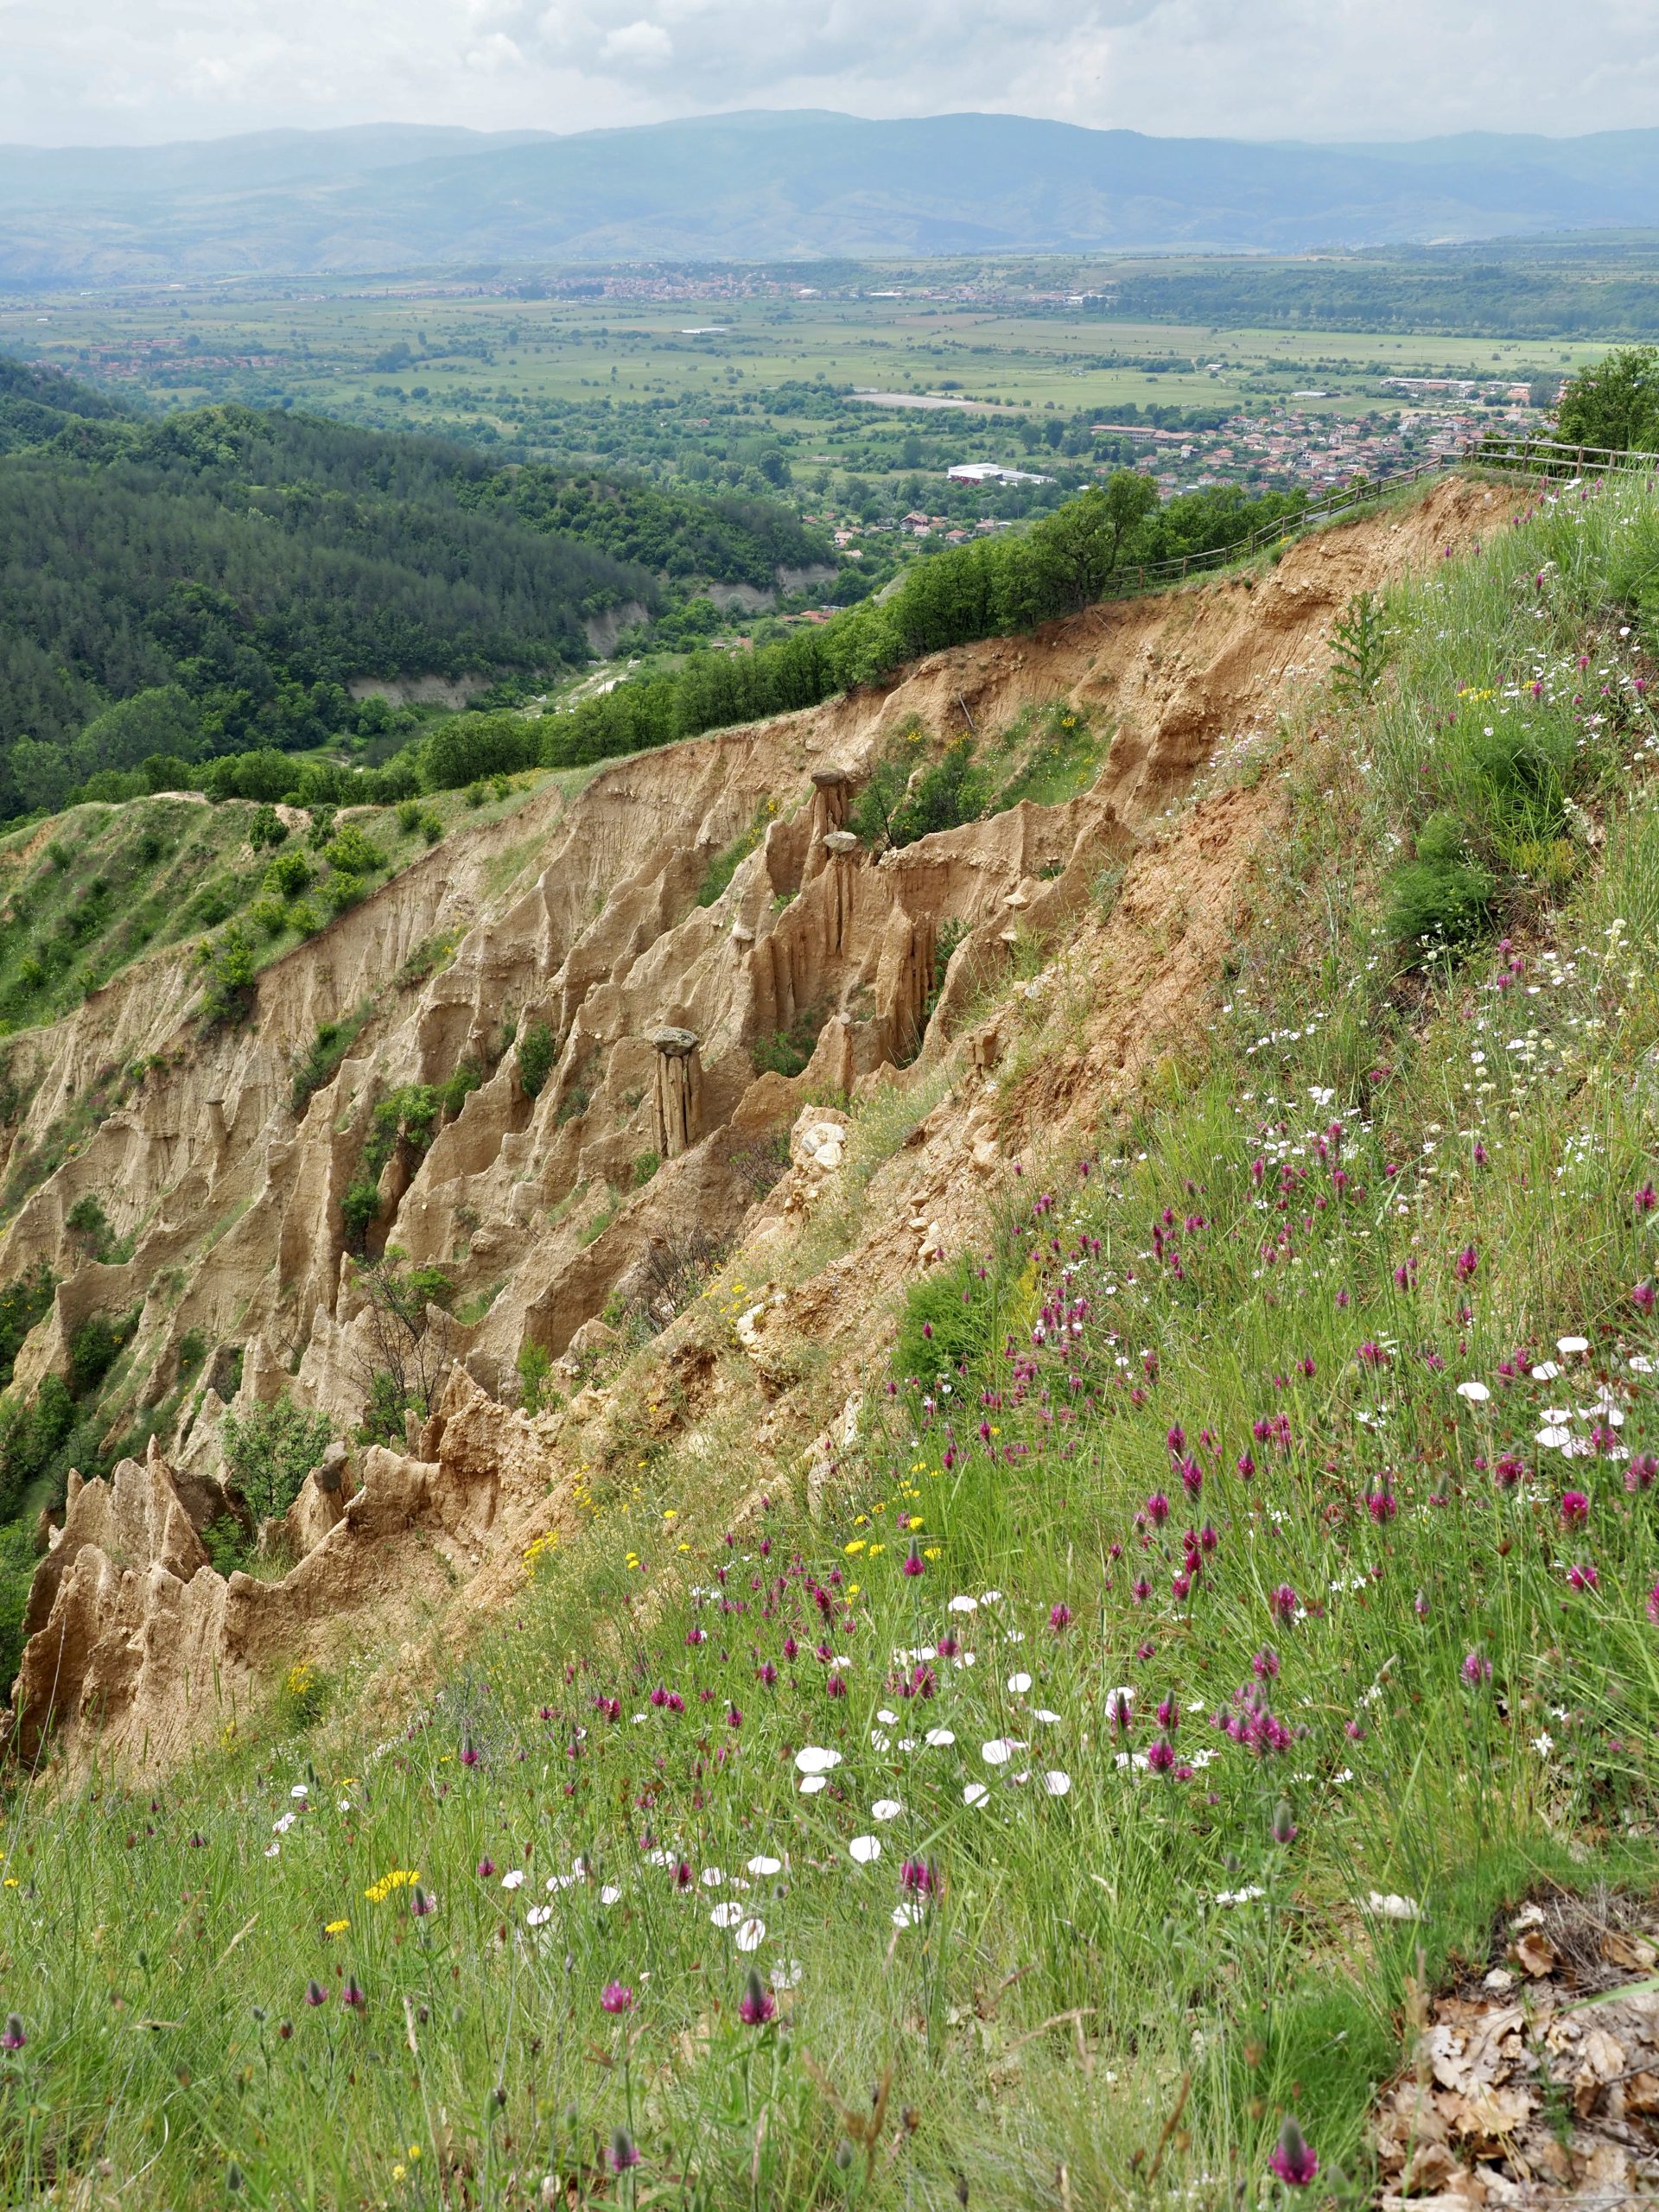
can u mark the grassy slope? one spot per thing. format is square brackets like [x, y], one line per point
[1229, 1267]
[84, 895]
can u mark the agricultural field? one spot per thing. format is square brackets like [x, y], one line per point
[426, 352]
[848, 393]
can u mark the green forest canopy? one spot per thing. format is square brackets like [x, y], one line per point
[209, 583]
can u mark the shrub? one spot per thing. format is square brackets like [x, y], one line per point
[352, 854]
[267, 830]
[591, 1231]
[230, 972]
[383, 1411]
[787, 1052]
[87, 1221]
[33, 1439]
[534, 1364]
[93, 1349]
[269, 916]
[23, 1303]
[1614, 403]
[214, 903]
[358, 1210]
[341, 892]
[453, 1092]
[265, 775]
[17, 1564]
[645, 1167]
[725, 864]
[760, 1166]
[1439, 897]
[328, 1048]
[411, 815]
[225, 1543]
[289, 873]
[538, 1049]
[950, 793]
[269, 1451]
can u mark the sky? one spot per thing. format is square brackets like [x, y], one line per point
[127, 71]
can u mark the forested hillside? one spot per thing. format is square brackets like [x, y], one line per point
[730, 540]
[36, 403]
[232, 570]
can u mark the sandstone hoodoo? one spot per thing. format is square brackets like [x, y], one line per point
[557, 1103]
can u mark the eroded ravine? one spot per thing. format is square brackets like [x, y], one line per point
[584, 917]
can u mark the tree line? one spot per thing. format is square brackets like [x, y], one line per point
[997, 585]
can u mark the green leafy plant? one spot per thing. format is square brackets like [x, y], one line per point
[351, 853]
[320, 1062]
[289, 873]
[270, 1450]
[1359, 648]
[787, 1052]
[231, 970]
[535, 1367]
[408, 1346]
[538, 1051]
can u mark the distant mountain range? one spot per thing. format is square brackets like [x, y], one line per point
[767, 186]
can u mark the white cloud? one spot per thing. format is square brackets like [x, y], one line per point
[1330, 69]
[634, 43]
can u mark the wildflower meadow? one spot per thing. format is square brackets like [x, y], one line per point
[1244, 1586]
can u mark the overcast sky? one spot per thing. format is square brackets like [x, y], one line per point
[114, 70]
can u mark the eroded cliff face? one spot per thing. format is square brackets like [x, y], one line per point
[583, 915]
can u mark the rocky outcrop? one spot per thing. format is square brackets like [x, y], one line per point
[137, 1647]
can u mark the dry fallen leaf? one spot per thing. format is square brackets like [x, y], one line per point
[1629, 1951]
[1605, 2057]
[1492, 2114]
[1432, 2166]
[1609, 2167]
[1536, 1953]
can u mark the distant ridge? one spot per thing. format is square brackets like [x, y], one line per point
[777, 186]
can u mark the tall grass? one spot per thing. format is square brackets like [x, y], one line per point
[1249, 1605]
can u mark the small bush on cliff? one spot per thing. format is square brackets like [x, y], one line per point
[787, 1052]
[538, 1049]
[289, 873]
[94, 1348]
[23, 1304]
[269, 1452]
[408, 1342]
[17, 1573]
[231, 970]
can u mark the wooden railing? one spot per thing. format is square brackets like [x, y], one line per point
[1345, 499]
[1547, 457]
[1554, 457]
